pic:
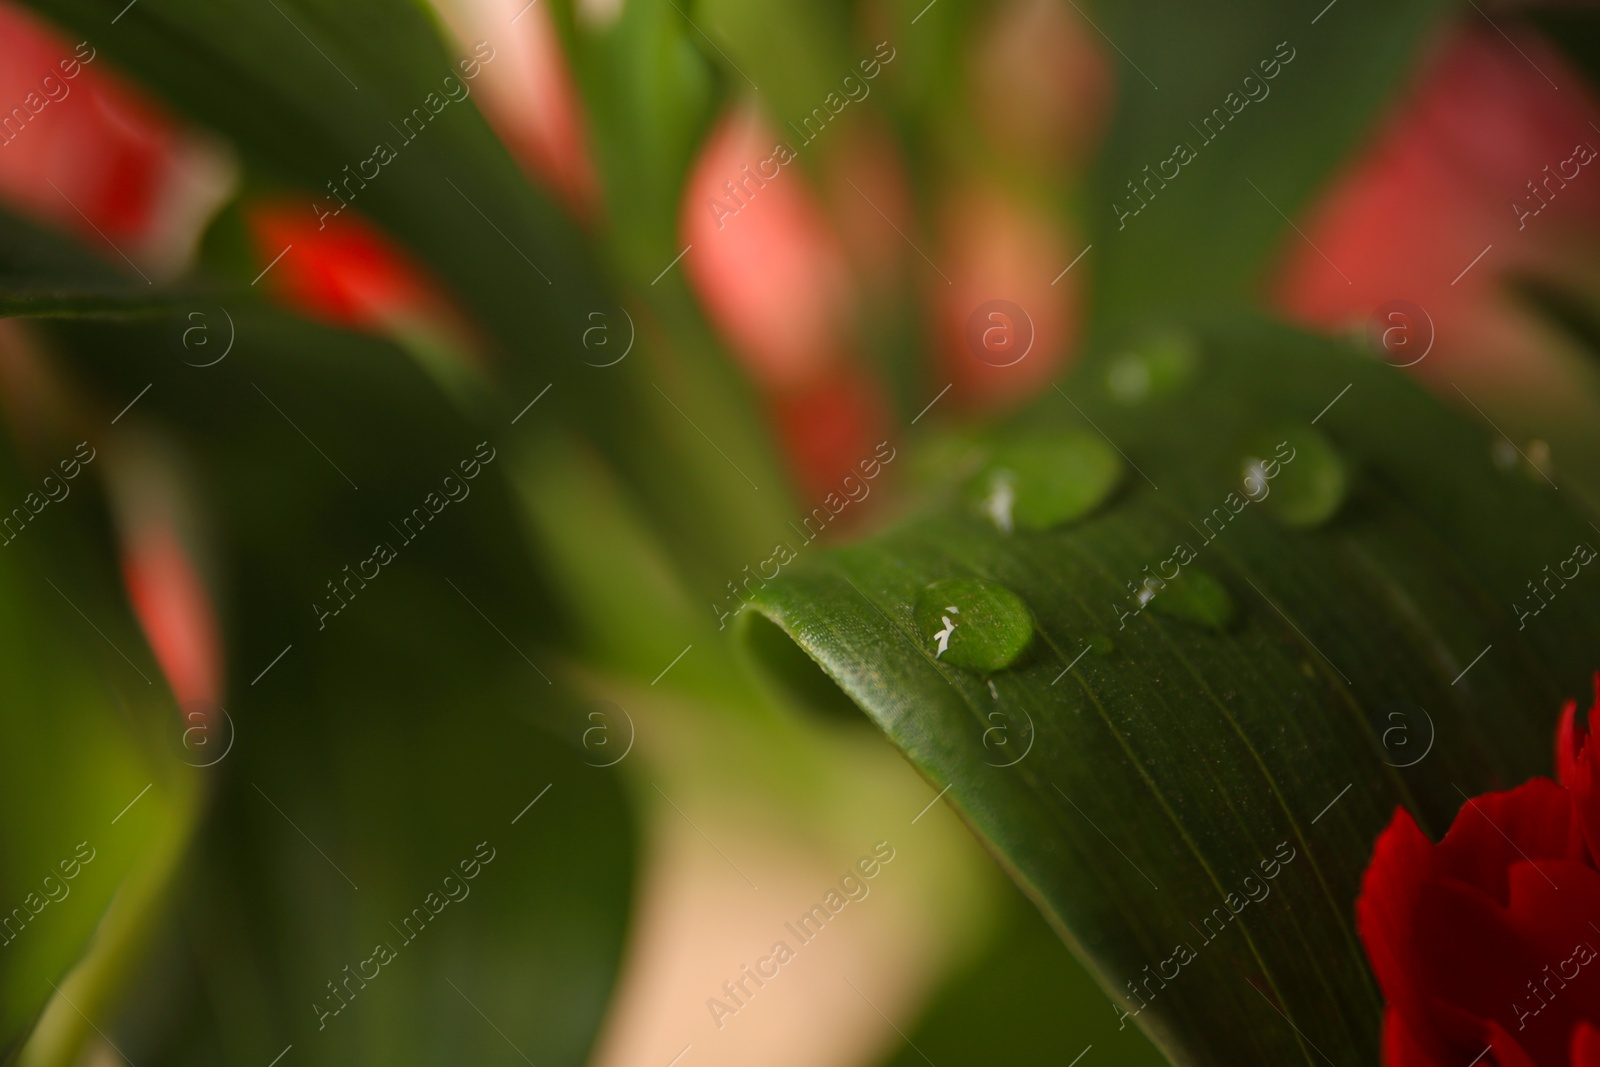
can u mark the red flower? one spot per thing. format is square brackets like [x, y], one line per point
[1488, 943]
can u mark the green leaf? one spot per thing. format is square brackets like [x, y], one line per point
[352, 800]
[98, 808]
[649, 93]
[1137, 771]
[44, 273]
[1024, 1002]
[1176, 61]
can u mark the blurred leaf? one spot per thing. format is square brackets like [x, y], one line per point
[347, 779]
[791, 52]
[1206, 233]
[1240, 737]
[399, 735]
[648, 91]
[306, 90]
[1025, 1002]
[280, 80]
[43, 273]
[97, 807]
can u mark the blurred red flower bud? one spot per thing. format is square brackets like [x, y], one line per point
[765, 261]
[1042, 84]
[1004, 327]
[527, 92]
[345, 272]
[829, 427]
[81, 150]
[158, 526]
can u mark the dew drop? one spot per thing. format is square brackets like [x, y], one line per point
[1296, 474]
[1038, 482]
[1504, 454]
[1159, 363]
[971, 623]
[1538, 453]
[1195, 596]
[1101, 644]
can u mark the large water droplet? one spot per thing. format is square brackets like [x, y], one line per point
[1295, 473]
[1043, 481]
[1159, 363]
[968, 622]
[1195, 596]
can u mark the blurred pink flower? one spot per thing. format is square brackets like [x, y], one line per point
[996, 246]
[162, 550]
[864, 175]
[175, 612]
[1042, 85]
[766, 262]
[81, 150]
[528, 93]
[1439, 188]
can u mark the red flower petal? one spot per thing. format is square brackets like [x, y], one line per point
[1571, 736]
[1401, 1048]
[1492, 832]
[1576, 757]
[1586, 1046]
[1484, 944]
[1402, 863]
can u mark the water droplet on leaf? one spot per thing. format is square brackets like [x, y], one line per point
[1043, 481]
[1102, 644]
[1538, 452]
[1195, 596]
[1160, 363]
[971, 623]
[1296, 474]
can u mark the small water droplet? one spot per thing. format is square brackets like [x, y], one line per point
[1296, 474]
[971, 623]
[1000, 498]
[1043, 481]
[1159, 363]
[1195, 596]
[1101, 644]
[1504, 454]
[1538, 452]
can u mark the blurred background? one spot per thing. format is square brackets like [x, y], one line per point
[435, 381]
